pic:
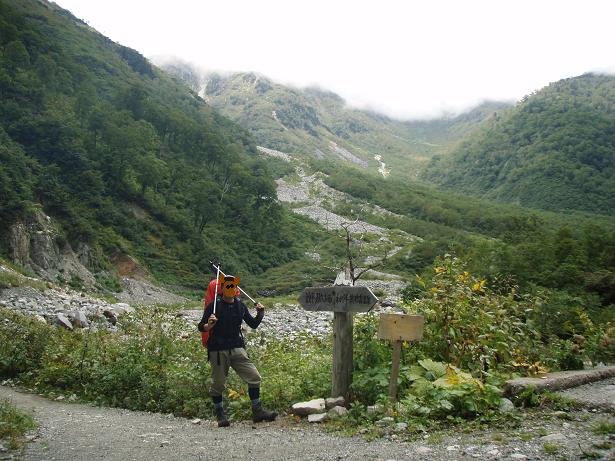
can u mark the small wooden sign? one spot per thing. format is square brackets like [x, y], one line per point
[338, 299]
[401, 327]
[398, 328]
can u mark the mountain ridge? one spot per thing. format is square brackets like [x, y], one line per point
[554, 150]
[316, 122]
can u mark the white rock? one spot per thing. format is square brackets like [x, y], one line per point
[64, 322]
[309, 408]
[373, 410]
[386, 421]
[196, 421]
[518, 456]
[122, 308]
[317, 417]
[506, 406]
[40, 318]
[452, 448]
[401, 426]
[423, 450]
[555, 437]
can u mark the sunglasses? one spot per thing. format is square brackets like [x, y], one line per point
[229, 286]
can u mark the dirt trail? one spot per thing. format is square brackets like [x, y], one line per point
[81, 432]
[70, 431]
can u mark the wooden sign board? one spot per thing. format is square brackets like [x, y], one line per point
[401, 327]
[338, 299]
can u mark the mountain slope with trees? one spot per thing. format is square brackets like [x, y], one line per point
[318, 123]
[555, 150]
[125, 159]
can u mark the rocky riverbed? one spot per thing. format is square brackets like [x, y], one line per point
[67, 308]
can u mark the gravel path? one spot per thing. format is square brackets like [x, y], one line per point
[82, 432]
[597, 395]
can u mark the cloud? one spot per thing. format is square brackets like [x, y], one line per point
[409, 59]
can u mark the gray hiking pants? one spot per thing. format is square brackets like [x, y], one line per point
[238, 359]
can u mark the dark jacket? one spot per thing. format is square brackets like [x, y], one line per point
[226, 333]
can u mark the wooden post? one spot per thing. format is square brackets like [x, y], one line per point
[342, 354]
[395, 370]
[343, 301]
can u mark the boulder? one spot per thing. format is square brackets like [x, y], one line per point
[317, 418]
[40, 318]
[332, 402]
[506, 406]
[309, 408]
[555, 437]
[63, 321]
[122, 308]
[110, 315]
[337, 412]
[80, 320]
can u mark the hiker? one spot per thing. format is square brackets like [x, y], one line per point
[226, 348]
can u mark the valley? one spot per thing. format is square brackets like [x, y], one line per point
[121, 180]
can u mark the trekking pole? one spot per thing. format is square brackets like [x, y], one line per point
[216, 292]
[224, 275]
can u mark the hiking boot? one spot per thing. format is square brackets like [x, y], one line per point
[261, 414]
[222, 418]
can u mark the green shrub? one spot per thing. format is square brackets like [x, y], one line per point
[471, 326]
[155, 363]
[24, 341]
[14, 424]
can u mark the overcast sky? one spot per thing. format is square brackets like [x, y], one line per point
[408, 59]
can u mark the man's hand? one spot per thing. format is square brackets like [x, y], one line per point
[211, 321]
[260, 307]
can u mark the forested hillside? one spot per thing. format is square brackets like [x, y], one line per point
[123, 157]
[318, 123]
[555, 150]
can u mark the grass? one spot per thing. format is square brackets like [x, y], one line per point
[10, 278]
[551, 448]
[606, 427]
[14, 424]
[526, 436]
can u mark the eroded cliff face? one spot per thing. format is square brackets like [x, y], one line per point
[35, 244]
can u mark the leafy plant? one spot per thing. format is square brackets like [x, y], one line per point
[471, 326]
[441, 390]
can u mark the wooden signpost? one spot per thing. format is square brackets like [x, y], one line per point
[343, 301]
[398, 328]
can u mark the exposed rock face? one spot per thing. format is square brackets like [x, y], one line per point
[127, 266]
[34, 245]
